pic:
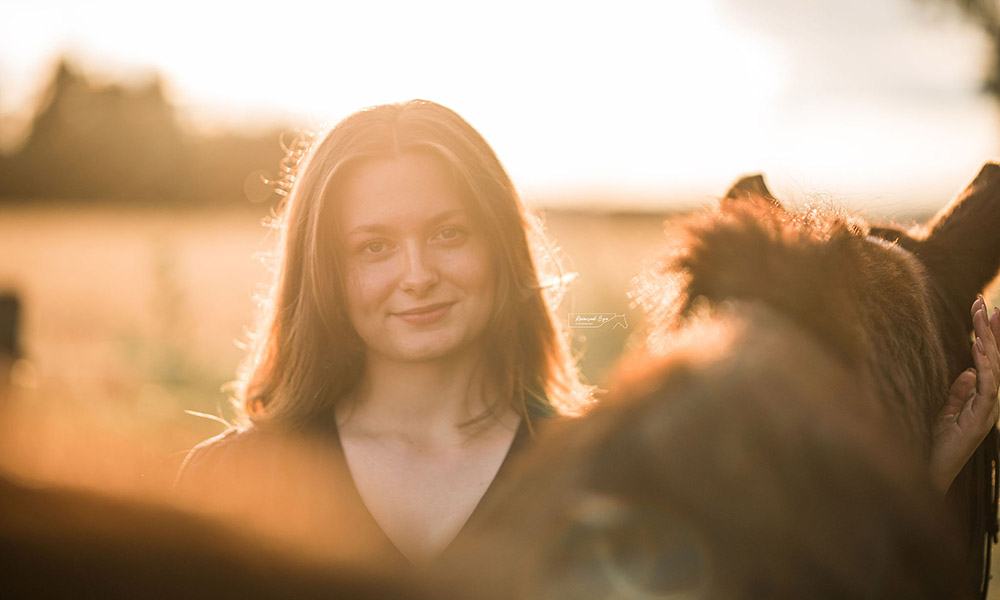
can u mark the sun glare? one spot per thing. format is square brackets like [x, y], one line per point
[569, 95]
[574, 97]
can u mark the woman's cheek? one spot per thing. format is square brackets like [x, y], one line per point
[472, 266]
[363, 286]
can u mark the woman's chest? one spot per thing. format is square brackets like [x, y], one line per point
[422, 497]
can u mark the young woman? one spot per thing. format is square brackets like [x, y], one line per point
[408, 321]
[410, 331]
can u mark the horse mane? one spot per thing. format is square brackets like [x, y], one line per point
[864, 299]
[742, 252]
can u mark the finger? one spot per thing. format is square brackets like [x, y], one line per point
[984, 332]
[958, 395]
[989, 329]
[995, 325]
[985, 402]
[991, 339]
[977, 304]
[980, 318]
[984, 368]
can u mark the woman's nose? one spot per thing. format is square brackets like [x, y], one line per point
[420, 273]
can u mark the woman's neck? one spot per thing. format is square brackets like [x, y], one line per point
[425, 402]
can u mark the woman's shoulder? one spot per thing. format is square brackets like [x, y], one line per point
[221, 445]
[221, 453]
[241, 456]
[265, 475]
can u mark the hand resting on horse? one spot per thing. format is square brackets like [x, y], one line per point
[971, 409]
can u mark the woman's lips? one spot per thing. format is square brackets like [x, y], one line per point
[424, 315]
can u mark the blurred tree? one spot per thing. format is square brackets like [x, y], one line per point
[98, 142]
[114, 142]
[986, 15]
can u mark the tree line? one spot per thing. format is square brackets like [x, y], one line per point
[114, 142]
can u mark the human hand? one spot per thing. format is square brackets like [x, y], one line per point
[971, 409]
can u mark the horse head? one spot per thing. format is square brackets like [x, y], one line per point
[769, 437]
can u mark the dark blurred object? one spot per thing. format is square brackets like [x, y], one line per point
[10, 318]
[66, 543]
[10, 344]
[114, 142]
[719, 472]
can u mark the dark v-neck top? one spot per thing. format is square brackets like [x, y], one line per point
[521, 440]
[250, 473]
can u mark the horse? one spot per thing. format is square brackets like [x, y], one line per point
[59, 541]
[770, 436]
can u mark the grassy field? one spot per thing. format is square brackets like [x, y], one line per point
[129, 318]
[132, 316]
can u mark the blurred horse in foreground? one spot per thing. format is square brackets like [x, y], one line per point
[771, 437]
[58, 542]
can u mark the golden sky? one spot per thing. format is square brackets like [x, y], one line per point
[872, 103]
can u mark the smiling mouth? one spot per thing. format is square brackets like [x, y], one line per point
[425, 314]
[425, 309]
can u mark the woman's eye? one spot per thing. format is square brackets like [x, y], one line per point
[451, 234]
[375, 247]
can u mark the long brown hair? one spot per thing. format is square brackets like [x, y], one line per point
[306, 354]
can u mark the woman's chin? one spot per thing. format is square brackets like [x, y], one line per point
[432, 350]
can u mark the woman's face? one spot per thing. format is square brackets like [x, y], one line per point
[419, 278]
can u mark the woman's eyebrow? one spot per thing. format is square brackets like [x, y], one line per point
[383, 228]
[373, 228]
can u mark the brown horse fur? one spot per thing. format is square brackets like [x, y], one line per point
[747, 462]
[867, 300]
[59, 542]
[957, 253]
[771, 438]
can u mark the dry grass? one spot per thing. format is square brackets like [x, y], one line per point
[129, 318]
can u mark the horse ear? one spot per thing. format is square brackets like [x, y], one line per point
[960, 246]
[752, 188]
